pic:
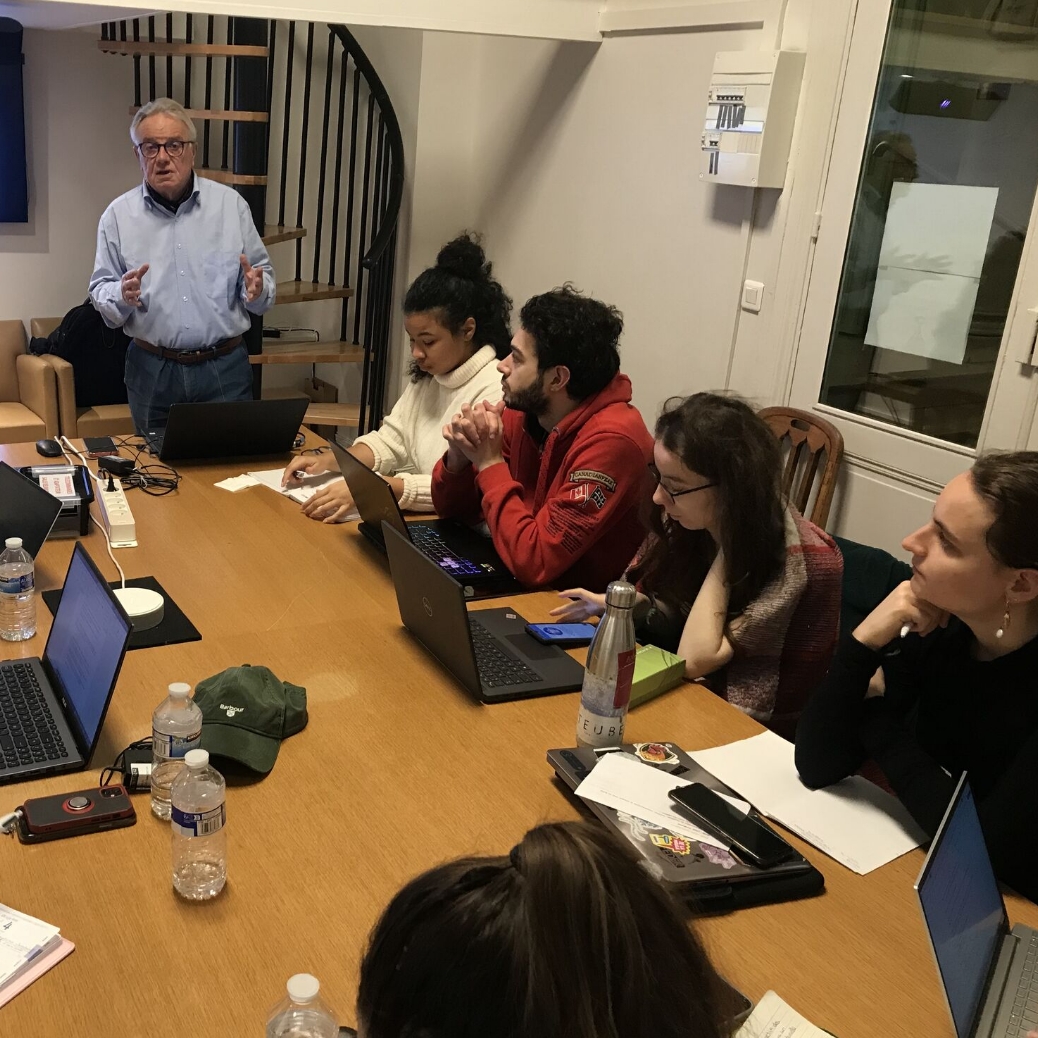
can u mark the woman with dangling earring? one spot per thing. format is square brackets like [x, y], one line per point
[942, 676]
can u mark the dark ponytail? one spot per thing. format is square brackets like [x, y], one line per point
[567, 936]
[460, 286]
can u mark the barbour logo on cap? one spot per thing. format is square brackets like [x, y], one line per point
[231, 710]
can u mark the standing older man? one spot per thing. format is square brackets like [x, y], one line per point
[180, 266]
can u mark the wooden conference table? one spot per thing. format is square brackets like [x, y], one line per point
[398, 769]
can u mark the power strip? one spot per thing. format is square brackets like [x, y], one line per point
[122, 530]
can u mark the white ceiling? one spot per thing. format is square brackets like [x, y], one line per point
[65, 16]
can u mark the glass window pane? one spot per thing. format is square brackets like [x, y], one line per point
[944, 197]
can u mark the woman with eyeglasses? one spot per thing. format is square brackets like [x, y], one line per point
[731, 577]
[940, 677]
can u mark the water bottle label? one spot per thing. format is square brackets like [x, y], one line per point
[16, 585]
[598, 729]
[198, 823]
[174, 746]
[624, 677]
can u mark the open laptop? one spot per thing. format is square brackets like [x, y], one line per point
[987, 970]
[488, 651]
[466, 555]
[26, 510]
[229, 429]
[52, 710]
[711, 878]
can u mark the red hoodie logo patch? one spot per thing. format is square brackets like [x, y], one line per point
[589, 493]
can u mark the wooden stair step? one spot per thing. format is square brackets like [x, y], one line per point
[273, 233]
[220, 116]
[276, 351]
[180, 48]
[309, 291]
[225, 176]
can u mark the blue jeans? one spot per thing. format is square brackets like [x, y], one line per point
[153, 384]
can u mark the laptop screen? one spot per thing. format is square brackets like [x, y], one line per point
[85, 647]
[962, 907]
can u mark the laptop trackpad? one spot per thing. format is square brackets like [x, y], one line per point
[531, 648]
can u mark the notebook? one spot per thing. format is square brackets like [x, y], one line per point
[488, 651]
[465, 554]
[987, 970]
[26, 510]
[52, 710]
[228, 429]
[696, 871]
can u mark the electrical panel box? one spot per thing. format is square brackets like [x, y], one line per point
[750, 111]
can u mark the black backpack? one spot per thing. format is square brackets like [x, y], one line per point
[96, 352]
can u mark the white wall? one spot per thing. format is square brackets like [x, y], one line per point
[79, 159]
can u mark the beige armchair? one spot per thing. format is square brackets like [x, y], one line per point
[28, 390]
[101, 420]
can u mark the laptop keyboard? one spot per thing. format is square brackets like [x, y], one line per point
[1024, 1017]
[433, 546]
[28, 734]
[497, 668]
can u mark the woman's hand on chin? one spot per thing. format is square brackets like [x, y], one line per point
[900, 609]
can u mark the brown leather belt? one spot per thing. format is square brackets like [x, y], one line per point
[191, 356]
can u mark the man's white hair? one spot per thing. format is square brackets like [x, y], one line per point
[164, 106]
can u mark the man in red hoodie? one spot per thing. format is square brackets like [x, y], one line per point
[559, 468]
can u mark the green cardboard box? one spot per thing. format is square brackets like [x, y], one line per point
[655, 671]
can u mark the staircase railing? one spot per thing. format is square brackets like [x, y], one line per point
[333, 172]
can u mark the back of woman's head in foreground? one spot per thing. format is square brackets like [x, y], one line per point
[567, 937]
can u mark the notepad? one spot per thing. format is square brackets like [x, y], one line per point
[311, 484]
[28, 948]
[773, 1018]
[853, 821]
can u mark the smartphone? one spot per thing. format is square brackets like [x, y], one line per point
[751, 839]
[100, 446]
[563, 635]
[72, 814]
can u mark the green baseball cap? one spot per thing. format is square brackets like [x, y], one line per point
[246, 712]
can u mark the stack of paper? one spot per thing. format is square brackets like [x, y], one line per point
[311, 484]
[28, 948]
[853, 821]
[773, 1018]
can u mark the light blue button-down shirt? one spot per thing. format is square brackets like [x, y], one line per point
[193, 293]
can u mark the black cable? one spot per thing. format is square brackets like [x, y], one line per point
[119, 764]
[151, 477]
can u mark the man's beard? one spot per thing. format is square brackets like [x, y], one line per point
[531, 400]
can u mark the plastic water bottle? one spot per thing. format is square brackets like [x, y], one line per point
[176, 728]
[198, 821]
[606, 693]
[17, 592]
[302, 1014]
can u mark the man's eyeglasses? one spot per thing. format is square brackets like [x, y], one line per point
[174, 149]
[674, 494]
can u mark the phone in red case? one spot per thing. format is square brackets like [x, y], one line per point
[72, 814]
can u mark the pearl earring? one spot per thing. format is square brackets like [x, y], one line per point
[1005, 621]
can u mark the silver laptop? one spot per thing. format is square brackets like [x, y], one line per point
[489, 650]
[987, 970]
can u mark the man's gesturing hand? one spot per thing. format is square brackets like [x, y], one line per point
[131, 285]
[253, 279]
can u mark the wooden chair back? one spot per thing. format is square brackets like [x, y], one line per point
[810, 438]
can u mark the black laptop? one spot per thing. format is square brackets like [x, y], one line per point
[52, 710]
[710, 877]
[487, 650]
[228, 429]
[459, 550]
[26, 510]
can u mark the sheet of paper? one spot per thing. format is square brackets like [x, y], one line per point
[21, 937]
[36, 970]
[853, 821]
[236, 483]
[627, 784]
[310, 485]
[935, 239]
[773, 1018]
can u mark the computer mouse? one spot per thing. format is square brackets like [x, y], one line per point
[49, 448]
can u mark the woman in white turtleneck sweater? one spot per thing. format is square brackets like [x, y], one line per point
[457, 318]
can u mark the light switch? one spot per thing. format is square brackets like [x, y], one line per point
[752, 296]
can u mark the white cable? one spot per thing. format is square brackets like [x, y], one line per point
[100, 483]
